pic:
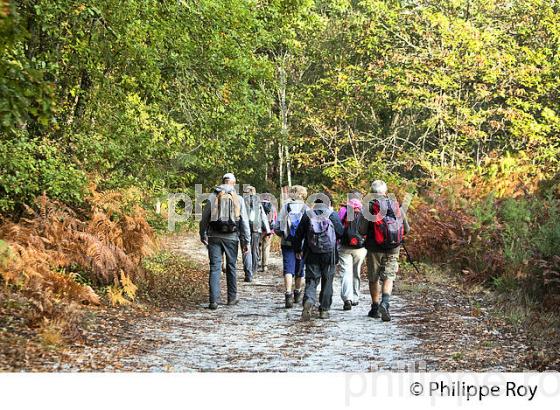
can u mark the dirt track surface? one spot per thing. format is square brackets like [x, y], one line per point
[433, 329]
[436, 326]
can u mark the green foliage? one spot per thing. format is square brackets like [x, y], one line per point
[32, 167]
[548, 232]
[517, 233]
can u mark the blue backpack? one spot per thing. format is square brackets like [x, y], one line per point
[321, 237]
[294, 218]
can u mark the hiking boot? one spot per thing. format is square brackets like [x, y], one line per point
[347, 305]
[289, 300]
[233, 302]
[324, 314]
[213, 306]
[307, 308]
[248, 279]
[374, 312]
[354, 303]
[298, 296]
[384, 311]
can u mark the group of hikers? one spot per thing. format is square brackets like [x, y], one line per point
[314, 241]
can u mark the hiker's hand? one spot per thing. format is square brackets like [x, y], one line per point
[299, 255]
[204, 241]
[245, 249]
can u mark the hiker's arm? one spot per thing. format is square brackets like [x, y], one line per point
[406, 225]
[338, 228]
[278, 222]
[300, 233]
[264, 218]
[204, 222]
[244, 230]
[342, 212]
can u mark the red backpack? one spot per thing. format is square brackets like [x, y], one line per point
[388, 226]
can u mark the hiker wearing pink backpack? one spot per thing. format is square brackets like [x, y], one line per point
[352, 252]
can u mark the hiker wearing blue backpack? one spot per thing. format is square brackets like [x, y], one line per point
[384, 225]
[316, 242]
[352, 252]
[289, 219]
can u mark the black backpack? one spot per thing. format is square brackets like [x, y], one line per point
[351, 236]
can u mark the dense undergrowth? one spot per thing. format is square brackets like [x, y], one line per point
[55, 259]
[499, 226]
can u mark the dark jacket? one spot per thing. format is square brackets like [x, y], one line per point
[300, 244]
[366, 228]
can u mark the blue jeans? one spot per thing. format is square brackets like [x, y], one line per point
[251, 258]
[215, 248]
[315, 274]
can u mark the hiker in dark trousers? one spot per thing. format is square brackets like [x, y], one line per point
[223, 226]
[384, 226]
[316, 241]
[258, 223]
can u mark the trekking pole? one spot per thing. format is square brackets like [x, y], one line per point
[409, 259]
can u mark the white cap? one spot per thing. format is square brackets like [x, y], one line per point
[229, 175]
[379, 187]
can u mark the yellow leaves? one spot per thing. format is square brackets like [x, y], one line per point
[122, 293]
[51, 332]
[128, 287]
[115, 295]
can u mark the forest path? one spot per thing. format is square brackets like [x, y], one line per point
[433, 328]
[259, 334]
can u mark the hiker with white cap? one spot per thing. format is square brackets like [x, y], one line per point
[223, 226]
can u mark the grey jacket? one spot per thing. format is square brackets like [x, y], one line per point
[205, 229]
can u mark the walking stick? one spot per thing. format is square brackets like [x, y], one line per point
[409, 259]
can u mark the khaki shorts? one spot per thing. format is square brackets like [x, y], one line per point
[381, 266]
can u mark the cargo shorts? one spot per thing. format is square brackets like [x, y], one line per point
[381, 266]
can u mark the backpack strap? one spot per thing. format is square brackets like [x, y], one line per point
[236, 205]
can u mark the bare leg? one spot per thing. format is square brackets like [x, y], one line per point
[388, 286]
[288, 283]
[299, 283]
[375, 291]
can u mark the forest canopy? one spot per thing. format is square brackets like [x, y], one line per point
[161, 95]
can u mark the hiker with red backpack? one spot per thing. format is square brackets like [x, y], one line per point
[316, 241]
[384, 225]
[289, 219]
[352, 252]
[224, 224]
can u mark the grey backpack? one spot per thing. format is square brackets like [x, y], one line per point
[321, 237]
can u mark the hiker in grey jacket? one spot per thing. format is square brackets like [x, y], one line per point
[258, 223]
[224, 224]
